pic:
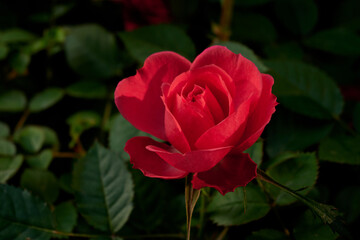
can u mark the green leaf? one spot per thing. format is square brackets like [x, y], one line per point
[229, 209]
[41, 160]
[296, 172]
[356, 118]
[268, 234]
[288, 50]
[20, 62]
[41, 183]
[306, 90]
[311, 227]
[92, 51]
[51, 138]
[4, 50]
[65, 183]
[30, 219]
[45, 99]
[16, 35]
[4, 130]
[256, 152]
[347, 201]
[87, 89]
[7, 148]
[104, 189]
[80, 122]
[253, 28]
[144, 41]
[237, 48]
[9, 166]
[30, 138]
[341, 149]
[336, 41]
[292, 132]
[120, 132]
[66, 217]
[12, 101]
[298, 16]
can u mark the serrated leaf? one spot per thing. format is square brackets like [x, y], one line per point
[66, 216]
[294, 172]
[147, 40]
[7, 148]
[347, 201]
[30, 138]
[45, 99]
[311, 227]
[41, 183]
[256, 152]
[16, 35]
[298, 16]
[306, 90]
[340, 149]
[30, 219]
[292, 132]
[104, 189]
[268, 234]
[336, 41]
[4, 130]
[12, 101]
[229, 209]
[237, 48]
[41, 160]
[252, 27]
[65, 183]
[92, 51]
[80, 122]
[9, 166]
[87, 90]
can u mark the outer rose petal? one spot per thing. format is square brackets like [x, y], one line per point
[194, 161]
[235, 170]
[245, 74]
[261, 116]
[138, 97]
[149, 162]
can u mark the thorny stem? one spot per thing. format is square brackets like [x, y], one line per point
[191, 197]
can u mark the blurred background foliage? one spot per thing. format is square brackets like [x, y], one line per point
[62, 139]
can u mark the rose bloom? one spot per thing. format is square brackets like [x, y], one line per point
[138, 13]
[207, 112]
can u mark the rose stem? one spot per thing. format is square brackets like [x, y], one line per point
[191, 197]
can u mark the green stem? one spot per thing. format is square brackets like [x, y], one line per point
[225, 20]
[191, 197]
[202, 216]
[327, 213]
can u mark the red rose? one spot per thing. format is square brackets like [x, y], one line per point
[138, 13]
[210, 111]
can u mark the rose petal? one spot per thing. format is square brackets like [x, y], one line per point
[211, 77]
[228, 132]
[138, 97]
[194, 161]
[149, 162]
[261, 116]
[235, 170]
[244, 73]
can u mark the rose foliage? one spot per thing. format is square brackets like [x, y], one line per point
[210, 111]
